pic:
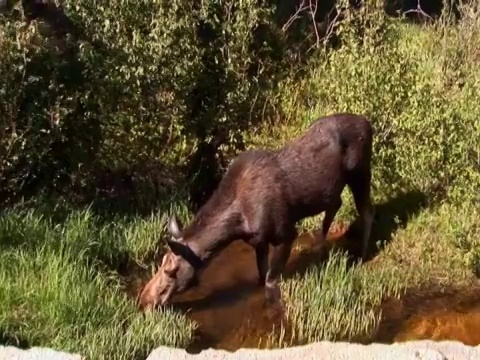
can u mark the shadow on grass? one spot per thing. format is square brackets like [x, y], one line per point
[7, 339]
[389, 217]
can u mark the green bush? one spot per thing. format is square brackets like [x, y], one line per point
[417, 87]
[135, 85]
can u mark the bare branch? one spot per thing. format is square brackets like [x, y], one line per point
[418, 10]
[331, 25]
[295, 16]
[313, 13]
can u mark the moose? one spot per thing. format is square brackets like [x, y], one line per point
[261, 197]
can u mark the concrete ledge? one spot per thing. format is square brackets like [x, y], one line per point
[414, 350]
[418, 350]
[35, 353]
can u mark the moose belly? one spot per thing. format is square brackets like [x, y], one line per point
[310, 208]
[310, 202]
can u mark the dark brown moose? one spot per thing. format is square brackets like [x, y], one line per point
[262, 196]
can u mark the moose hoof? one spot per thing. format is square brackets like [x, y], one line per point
[275, 309]
[272, 293]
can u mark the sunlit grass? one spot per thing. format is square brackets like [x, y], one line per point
[60, 287]
[337, 302]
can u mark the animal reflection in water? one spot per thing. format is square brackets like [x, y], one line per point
[262, 196]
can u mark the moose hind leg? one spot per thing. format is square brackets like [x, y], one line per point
[360, 186]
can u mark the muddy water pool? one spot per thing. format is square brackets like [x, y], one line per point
[229, 308]
[433, 315]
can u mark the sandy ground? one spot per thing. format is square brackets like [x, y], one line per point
[418, 350]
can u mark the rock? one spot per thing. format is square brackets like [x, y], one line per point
[35, 353]
[414, 350]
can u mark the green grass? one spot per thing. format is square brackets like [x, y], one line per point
[338, 301]
[60, 287]
[441, 244]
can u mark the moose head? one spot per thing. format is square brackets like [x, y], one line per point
[177, 272]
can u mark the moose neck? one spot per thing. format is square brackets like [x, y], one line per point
[210, 235]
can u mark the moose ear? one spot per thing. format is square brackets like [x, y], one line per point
[177, 248]
[175, 227]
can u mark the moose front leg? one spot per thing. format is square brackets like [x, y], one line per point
[261, 253]
[330, 214]
[278, 260]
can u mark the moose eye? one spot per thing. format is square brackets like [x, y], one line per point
[170, 273]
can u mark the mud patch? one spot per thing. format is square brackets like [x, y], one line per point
[438, 315]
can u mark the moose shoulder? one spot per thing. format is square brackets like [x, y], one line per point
[262, 196]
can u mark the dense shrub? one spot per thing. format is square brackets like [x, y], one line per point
[418, 88]
[132, 85]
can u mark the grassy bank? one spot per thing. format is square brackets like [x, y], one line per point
[61, 287]
[62, 279]
[437, 248]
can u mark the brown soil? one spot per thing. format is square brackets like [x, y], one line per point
[432, 314]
